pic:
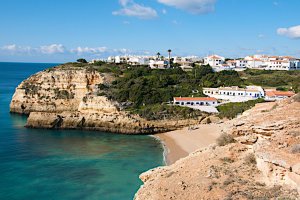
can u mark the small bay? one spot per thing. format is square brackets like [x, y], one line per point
[66, 164]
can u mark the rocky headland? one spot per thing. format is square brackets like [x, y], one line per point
[70, 97]
[257, 157]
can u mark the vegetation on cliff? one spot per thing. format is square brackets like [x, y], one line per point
[147, 92]
[282, 80]
[231, 110]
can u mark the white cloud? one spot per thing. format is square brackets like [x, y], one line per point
[59, 49]
[52, 49]
[125, 2]
[291, 32]
[122, 51]
[164, 11]
[261, 36]
[192, 6]
[89, 50]
[14, 49]
[132, 9]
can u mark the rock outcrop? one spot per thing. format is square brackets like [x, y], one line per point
[263, 163]
[68, 97]
[55, 90]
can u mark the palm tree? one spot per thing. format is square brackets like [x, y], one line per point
[169, 51]
[158, 54]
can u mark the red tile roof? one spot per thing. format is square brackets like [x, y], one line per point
[195, 99]
[279, 93]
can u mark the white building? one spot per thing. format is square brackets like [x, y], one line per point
[121, 59]
[111, 59]
[214, 60]
[235, 94]
[256, 62]
[273, 95]
[206, 104]
[272, 62]
[283, 63]
[223, 67]
[131, 60]
[185, 63]
[158, 64]
[138, 60]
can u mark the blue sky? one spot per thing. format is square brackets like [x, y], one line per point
[64, 30]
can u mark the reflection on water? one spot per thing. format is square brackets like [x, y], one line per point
[48, 164]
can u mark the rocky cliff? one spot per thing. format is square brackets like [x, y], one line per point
[262, 163]
[69, 97]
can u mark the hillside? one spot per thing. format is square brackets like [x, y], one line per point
[73, 96]
[263, 161]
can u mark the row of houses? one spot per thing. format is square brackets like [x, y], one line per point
[219, 63]
[155, 62]
[221, 95]
[253, 62]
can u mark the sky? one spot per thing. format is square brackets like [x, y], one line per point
[65, 30]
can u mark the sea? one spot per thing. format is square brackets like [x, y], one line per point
[61, 164]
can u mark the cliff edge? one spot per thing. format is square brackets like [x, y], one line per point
[70, 97]
[263, 162]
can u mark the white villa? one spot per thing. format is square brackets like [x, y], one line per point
[158, 64]
[235, 94]
[282, 63]
[240, 63]
[206, 104]
[131, 60]
[214, 60]
[138, 60]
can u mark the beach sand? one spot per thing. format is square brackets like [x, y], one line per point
[181, 143]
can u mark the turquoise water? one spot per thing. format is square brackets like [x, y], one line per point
[48, 164]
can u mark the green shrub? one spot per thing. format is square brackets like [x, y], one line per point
[297, 97]
[295, 149]
[231, 110]
[225, 139]
[160, 112]
[250, 159]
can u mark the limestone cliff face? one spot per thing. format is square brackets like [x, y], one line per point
[55, 90]
[263, 163]
[67, 98]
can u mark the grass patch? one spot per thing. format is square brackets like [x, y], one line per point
[231, 110]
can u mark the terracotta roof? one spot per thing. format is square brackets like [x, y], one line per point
[195, 99]
[279, 93]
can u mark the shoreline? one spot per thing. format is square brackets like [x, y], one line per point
[180, 143]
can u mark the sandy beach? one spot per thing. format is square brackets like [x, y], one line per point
[181, 143]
